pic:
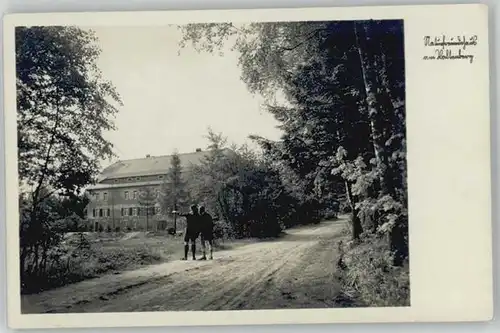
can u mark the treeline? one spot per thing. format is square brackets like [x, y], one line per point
[343, 128]
[249, 196]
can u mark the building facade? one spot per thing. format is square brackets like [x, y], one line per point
[127, 194]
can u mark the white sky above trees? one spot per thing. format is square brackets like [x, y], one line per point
[170, 100]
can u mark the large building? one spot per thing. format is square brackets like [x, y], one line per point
[124, 197]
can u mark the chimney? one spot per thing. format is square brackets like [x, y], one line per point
[198, 150]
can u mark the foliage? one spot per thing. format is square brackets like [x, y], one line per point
[241, 189]
[369, 277]
[88, 255]
[174, 194]
[343, 120]
[79, 259]
[73, 204]
[41, 248]
[63, 108]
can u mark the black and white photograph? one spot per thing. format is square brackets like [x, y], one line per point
[195, 167]
[212, 166]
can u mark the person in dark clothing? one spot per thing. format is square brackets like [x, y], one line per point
[192, 231]
[207, 233]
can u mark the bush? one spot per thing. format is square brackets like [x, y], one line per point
[368, 277]
[81, 261]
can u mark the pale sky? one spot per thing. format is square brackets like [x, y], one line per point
[169, 99]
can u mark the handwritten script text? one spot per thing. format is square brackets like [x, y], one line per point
[450, 47]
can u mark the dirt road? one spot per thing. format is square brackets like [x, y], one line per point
[296, 271]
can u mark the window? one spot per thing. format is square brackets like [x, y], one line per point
[97, 196]
[157, 193]
[123, 211]
[108, 212]
[135, 212]
[100, 212]
[129, 179]
[93, 212]
[157, 210]
[126, 195]
[105, 196]
[160, 177]
[130, 211]
[134, 196]
[138, 178]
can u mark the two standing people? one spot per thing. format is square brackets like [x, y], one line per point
[199, 223]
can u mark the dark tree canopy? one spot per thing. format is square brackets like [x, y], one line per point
[64, 107]
[343, 119]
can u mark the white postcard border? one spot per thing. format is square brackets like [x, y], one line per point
[448, 135]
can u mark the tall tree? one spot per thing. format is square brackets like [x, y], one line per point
[240, 187]
[174, 194]
[64, 106]
[147, 202]
[344, 86]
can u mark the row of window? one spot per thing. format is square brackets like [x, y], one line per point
[101, 212]
[97, 196]
[130, 211]
[135, 195]
[140, 211]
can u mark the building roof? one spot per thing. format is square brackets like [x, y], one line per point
[101, 186]
[149, 166]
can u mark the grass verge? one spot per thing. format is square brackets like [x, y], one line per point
[368, 278]
[108, 253]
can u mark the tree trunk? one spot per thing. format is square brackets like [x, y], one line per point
[357, 228]
[398, 241]
[36, 260]
[43, 265]
[30, 254]
[22, 265]
[375, 112]
[380, 112]
[39, 187]
[175, 218]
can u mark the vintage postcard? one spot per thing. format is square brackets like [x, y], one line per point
[321, 165]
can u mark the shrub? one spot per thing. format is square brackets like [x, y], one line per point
[368, 277]
[79, 260]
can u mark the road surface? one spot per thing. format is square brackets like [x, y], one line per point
[296, 271]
